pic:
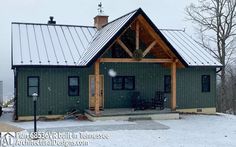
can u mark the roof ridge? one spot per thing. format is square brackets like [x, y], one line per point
[121, 17]
[166, 29]
[26, 23]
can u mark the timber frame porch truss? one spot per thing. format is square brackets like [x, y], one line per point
[155, 46]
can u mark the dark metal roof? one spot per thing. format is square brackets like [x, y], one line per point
[69, 45]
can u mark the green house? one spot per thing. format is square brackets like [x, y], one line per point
[99, 67]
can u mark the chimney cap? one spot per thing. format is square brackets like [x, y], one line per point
[51, 21]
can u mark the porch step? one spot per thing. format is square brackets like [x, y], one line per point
[139, 118]
[126, 114]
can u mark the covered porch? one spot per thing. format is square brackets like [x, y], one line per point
[155, 51]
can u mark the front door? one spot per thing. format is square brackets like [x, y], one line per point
[92, 91]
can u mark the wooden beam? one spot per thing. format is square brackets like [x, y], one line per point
[125, 47]
[122, 60]
[149, 48]
[173, 86]
[97, 84]
[137, 35]
[155, 36]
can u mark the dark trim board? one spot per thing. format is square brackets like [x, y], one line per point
[16, 93]
[46, 66]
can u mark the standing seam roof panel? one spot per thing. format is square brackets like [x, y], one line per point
[190, 48]
[193, 58]
[49, 44]
[183, 53]
[203, 53]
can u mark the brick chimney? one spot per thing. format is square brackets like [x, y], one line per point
[100, 20]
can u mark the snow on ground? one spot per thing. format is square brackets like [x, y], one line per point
[189, 131]
[66, 123]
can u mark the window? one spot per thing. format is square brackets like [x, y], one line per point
[167, 83]
[73, 86]
[206, 83]
[33, 85]
[123, 83]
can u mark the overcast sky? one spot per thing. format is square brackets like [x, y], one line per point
[164, 13]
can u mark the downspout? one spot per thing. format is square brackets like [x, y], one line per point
[219, 70]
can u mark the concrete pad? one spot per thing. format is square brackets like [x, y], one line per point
[164, 116]
[4, 127]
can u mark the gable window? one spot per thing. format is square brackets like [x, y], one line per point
[206, 83]
[32, 85]
[167, 83]
[123, 83]
[73, 86]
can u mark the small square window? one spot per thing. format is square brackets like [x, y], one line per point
[206, 81]
[73, 86]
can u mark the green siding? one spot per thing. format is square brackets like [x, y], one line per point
[189, 90]
[53, 90]
[148, 79]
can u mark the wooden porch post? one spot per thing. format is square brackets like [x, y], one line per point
[173, 86]
[97, 84]
[137, 35]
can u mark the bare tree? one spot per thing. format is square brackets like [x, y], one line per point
[216, 23]
[231, 89]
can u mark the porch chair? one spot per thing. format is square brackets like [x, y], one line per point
[136, 101]
[159, 100]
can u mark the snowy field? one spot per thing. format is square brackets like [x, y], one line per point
[190, 131]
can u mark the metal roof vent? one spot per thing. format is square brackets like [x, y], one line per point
[51, 21]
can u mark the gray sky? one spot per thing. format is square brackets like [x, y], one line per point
[164, 13]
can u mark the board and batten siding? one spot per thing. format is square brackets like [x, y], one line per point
[53, 95]
[149, 78]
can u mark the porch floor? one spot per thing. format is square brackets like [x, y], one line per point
[128, 113]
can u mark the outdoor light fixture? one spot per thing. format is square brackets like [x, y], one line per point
[35, 96]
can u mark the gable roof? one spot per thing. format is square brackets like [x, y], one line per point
[71, 52]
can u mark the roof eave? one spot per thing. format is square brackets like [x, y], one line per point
[47, 66]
